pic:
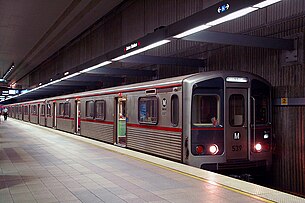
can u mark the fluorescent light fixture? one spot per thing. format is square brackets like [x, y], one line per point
[232, 16]
[265, 3]
[141, 50]
[66, 73]
[67, 77]
[237, 79]
[96, 66]
[192, 31]
[2, 80]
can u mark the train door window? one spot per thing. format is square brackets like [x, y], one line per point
[90, 109]
[100, 109]
[205, 111]
[34, 110]
[61, 109]
[148, 110]
[236, 110]
[48, 109]
[43, 107]
[174, 110]
[26, 110]
[67, 108]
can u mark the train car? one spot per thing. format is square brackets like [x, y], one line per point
[211, 120]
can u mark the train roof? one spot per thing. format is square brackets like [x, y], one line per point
[153, 84]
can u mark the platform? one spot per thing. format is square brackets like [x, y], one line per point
[39, 164]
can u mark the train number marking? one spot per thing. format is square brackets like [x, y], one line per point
[236, 148]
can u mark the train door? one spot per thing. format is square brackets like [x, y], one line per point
[120, 121]
[54, 115]
[77, 116]
[237, 124]
[38, 113]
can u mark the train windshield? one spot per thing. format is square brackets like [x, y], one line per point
[205, 109]
[261, 94]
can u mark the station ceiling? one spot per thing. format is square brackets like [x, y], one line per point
[32, 30]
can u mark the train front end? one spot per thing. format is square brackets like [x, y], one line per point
[227, 121]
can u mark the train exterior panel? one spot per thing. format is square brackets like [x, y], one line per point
[65, 115]
[211, 120]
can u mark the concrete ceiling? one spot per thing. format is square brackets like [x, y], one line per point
[32, 30]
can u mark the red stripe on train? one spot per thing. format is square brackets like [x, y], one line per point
[65, 118]
[155, 127]
[209, 129]
[97, 121]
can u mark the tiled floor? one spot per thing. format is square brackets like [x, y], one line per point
[38, 165]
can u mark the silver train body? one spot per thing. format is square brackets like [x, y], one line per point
[211, 120]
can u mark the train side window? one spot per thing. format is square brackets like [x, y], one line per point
[205, 110]
[43, 107]
[175, 110]
[236, 110]
[90, 108]
[48, 109]
[100, 107]
[148, 110]
[67, 107]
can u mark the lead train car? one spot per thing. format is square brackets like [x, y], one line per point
[210, 120]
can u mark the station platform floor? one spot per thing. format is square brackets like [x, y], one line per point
[39, 164]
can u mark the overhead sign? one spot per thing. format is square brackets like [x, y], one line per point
[132, 46]
[284, 101]
[223, 8]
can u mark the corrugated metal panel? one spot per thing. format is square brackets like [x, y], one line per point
[65, 125]
[99, 131]
[160, 143]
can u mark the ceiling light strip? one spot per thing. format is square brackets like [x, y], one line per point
[141, 50]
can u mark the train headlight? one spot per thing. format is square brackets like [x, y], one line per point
[199, 149]
[214, 149]
[258, 147]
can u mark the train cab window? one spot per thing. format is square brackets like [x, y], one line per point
[174, 110]
[42, 112]
[148, 110]
[48, 109]
[236, 110]
[205, 110]
[261, 109]
[90, 108]
[99, 109]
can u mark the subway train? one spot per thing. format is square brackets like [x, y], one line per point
[218, 120]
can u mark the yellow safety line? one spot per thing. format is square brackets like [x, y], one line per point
[192, 176]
